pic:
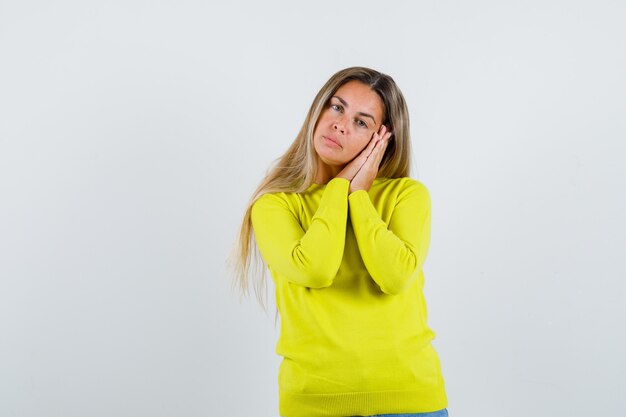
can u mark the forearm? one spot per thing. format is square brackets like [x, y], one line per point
[310, 258]
[393, 253]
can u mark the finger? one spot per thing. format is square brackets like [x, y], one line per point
[386, 134]
[381, 131]
[370, 146]
[379, 151]
[385, 140]
[372, 161]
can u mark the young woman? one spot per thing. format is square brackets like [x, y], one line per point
[344, 232]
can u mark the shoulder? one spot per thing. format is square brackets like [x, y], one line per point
[270, 199]
[270, 202]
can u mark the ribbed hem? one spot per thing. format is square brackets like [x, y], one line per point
[363, 403]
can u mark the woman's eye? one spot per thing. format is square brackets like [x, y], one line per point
[361, 123]
[335, 107]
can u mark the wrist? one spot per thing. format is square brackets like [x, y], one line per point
[355, 189]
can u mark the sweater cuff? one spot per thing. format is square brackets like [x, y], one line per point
[359, 197]
[362, 208]
[334, 197]
[339, 184]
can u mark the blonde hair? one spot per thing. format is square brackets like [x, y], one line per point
[295, 170]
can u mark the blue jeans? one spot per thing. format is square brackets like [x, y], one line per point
[440, 413]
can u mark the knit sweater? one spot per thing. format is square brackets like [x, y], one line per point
[347, 269]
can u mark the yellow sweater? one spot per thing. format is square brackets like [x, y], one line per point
[347, 269]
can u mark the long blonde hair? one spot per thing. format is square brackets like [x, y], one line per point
[295, 170]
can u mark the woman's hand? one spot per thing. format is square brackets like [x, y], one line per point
[369, 161]
[350, 170]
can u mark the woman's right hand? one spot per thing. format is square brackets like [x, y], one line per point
[350, 170]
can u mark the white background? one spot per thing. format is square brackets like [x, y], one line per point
[132, 133]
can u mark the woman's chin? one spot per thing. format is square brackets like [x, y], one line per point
[332, 162]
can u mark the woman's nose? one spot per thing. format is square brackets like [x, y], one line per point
[340, 125]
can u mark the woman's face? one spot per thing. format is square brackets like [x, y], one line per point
[347, 123]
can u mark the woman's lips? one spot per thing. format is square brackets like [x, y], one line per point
[331, 142]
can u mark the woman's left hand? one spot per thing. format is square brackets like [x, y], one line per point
[365, 176]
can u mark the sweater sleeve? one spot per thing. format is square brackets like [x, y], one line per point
[393, 253]
[309, 258]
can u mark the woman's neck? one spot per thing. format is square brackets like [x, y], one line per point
[326, 172]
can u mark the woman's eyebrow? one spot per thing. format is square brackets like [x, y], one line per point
[345, 103]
